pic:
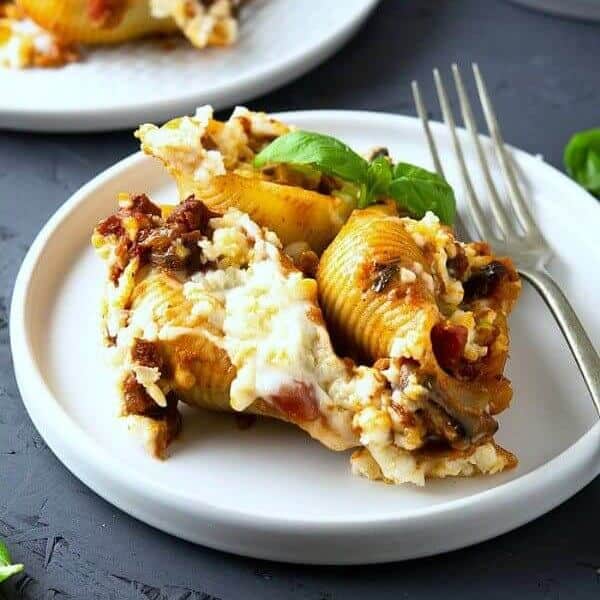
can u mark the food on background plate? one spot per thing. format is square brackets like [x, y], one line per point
[380, 333]
[24, 44]
[48, 32]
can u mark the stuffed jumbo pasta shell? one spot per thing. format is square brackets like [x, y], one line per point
[165, 333]
[207, 309]
[213, 160]
[407, 294]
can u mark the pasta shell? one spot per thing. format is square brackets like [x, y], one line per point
[198, 370]
[96, 21]
[394, 320]
[293, 213]
[366, 321]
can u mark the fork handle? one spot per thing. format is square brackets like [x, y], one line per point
[580, 344]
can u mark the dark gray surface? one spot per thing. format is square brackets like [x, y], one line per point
[546, 81]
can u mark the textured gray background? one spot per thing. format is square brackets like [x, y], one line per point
[545, 76]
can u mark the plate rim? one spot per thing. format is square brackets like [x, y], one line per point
[584, 10]
[571, 465]
[250, 85]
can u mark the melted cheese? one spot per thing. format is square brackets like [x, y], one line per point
[397, 466]
[429, 231]
[21, 41]
[263, 310]
[24, 44]
[179, 143]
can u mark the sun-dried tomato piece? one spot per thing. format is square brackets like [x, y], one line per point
[110, 226]
[191, 215]
[146, 353]
[142, 204]
[448, 343]
[137, 399]
[297, 401]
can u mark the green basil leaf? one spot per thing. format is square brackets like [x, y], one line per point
[379, 177]
[419, 190]
[328, 155]
[403, 169]
[582, 159]
[6, 567]
[9, 570]
[5, 558]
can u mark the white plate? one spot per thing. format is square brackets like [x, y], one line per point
[272, 492]
[125, 85]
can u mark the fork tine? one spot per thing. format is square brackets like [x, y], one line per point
[516, 198]
[476, 211]
[422, 112]
[471, 125]
[459, 226]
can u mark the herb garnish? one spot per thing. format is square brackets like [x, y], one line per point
[412, 188]
[7, 569]
[384, 276]
[582, 159]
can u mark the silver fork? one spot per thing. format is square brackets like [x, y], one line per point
[521, 240]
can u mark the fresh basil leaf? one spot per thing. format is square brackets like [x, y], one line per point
[9, 570]
[413, 188]
[403, 169]
[6, 567]
[379, 177]
[5, 558]
[419, 190]
[328, 155]
[582, 159]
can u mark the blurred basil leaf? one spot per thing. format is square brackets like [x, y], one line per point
[582, 159]
[7, 569]
[379, 177]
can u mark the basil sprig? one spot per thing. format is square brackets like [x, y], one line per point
[7, 569]
[582, 159]
[413, 188]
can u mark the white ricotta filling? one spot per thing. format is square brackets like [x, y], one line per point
[22, 41]
[178, 143]
[397, 466]
[430, 231]
[263, 311]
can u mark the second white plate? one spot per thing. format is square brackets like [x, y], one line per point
[272, 492]
[580, 9]
[124, 85]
